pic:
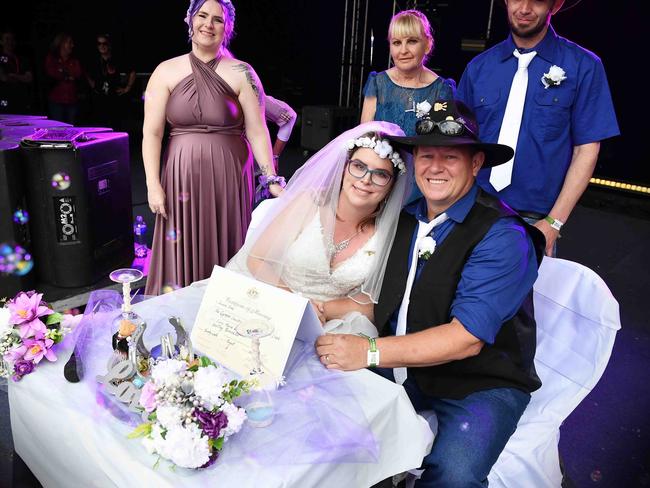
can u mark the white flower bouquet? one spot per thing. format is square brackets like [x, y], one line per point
[191, 411]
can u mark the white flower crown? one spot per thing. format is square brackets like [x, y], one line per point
[383, 149]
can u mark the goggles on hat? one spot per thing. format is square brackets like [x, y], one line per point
[454, 127]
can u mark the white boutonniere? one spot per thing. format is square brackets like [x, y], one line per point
[554, 77]
[422, 109]
[426, 248]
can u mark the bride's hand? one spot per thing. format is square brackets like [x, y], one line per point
[275, 190]
[319, 308]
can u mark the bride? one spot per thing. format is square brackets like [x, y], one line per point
[327, 237]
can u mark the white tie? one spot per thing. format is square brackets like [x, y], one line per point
[423, 231]
[501, 175]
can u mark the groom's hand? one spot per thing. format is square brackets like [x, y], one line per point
[346, 352]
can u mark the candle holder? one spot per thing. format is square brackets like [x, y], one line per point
[129, 327]
[129, 365]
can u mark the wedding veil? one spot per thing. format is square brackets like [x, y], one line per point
[315, 187]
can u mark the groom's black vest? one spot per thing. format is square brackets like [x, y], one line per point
[506, 363]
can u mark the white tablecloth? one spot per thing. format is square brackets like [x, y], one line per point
[70, 443]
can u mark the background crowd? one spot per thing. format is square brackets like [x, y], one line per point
[93, 90]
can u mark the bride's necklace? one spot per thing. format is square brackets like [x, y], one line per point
[335, 249]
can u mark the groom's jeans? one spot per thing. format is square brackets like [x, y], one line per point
[472, 432]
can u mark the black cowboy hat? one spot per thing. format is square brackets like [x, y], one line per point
[452, 123]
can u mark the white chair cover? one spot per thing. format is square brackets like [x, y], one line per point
[577, 319]
[257, 217]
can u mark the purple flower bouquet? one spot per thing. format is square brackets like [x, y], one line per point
[29, 331]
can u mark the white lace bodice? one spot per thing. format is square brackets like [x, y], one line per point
[307, 270]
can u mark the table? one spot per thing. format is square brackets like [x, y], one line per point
[67, 443]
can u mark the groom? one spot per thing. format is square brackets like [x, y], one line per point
[455, 313]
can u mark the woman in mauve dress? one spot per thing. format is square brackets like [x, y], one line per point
[214, 105]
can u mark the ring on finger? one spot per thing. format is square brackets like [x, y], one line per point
[327, 358]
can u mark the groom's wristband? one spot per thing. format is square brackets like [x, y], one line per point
[554, 223]
[373, 353]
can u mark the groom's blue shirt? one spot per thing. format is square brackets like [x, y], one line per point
[497, 276]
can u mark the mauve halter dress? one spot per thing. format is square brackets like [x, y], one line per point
[208, 180]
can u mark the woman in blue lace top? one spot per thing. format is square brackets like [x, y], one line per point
[393, 95]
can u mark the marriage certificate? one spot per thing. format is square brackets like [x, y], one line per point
[249, 326]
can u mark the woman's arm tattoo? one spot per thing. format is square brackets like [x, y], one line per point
[267, 171]
[252, 80]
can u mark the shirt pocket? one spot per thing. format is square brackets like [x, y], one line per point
[552, 112]
[486, 107]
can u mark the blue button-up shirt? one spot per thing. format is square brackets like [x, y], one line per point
[497, 276]
[555, 119]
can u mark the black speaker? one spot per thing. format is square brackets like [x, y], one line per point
[322, 123]
[18, 116]
[17, 128]
[79, 196]
[14, 231]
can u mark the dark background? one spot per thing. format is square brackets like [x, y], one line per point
[295, 46]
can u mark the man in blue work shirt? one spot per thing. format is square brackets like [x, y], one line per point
[568, 110]
[455, 313]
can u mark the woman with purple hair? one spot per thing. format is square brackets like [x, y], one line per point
[214, 105]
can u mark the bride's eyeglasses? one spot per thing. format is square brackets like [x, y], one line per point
[379, 177]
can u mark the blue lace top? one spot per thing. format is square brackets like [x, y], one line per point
[393, 100]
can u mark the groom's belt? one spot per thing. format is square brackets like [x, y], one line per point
[530, 215]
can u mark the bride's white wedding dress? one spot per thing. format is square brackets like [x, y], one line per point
[307, 272]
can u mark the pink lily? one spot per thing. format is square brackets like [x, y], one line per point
[26, 307]
[35, 329]
[15, 353]
[38, 349]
